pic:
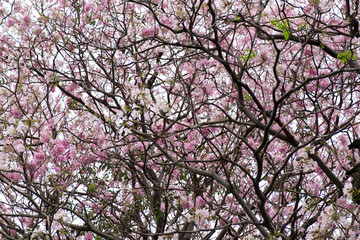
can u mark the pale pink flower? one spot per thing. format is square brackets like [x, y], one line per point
[39, 156]
[16, 112]
[10, 131]
[14, 176]
[313, 72]
[88, 236]
[148, 32]
[200, 201]
[190, 147]
[88, 7]
[45, 138]
[10, 22]
[59, 149]
[56, 226]
[59, 215]
[201, 215]
[19, 146]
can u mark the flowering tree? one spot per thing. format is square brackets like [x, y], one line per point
[179, 119]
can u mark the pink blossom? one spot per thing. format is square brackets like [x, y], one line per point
[148, 32]
[56, 225]
[15, 111]
[190, 147]
[319, 171]
[59, 215]
[233, 97]
[189, 68]
[19, 146]
[343, 139]
[106, 195]
[207, 89]
[313, 72]
[10, 131]
[202, 62]
[59, 149]
[26, 21]
[14, 176]
[45, 138]
[205, 131]
[88, 7]
[39, 156]
[162, 206]
[176, 173]
[10, 22]
[200, 201]
[353, 235]
[201, 215]
[282, 150]
[64, 3]
[12, 232]
[187, 202]
[86, 160]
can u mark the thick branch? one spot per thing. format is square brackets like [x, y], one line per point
[328, 172]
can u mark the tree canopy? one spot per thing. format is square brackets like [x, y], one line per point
[179, 119]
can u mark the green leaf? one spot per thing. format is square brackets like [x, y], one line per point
[159, 214]
[128, 109]
[249, 54]
[92, 187]
[345, 56]
[284, 26]
[286, 35]
[248, 97]
[237, 19]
